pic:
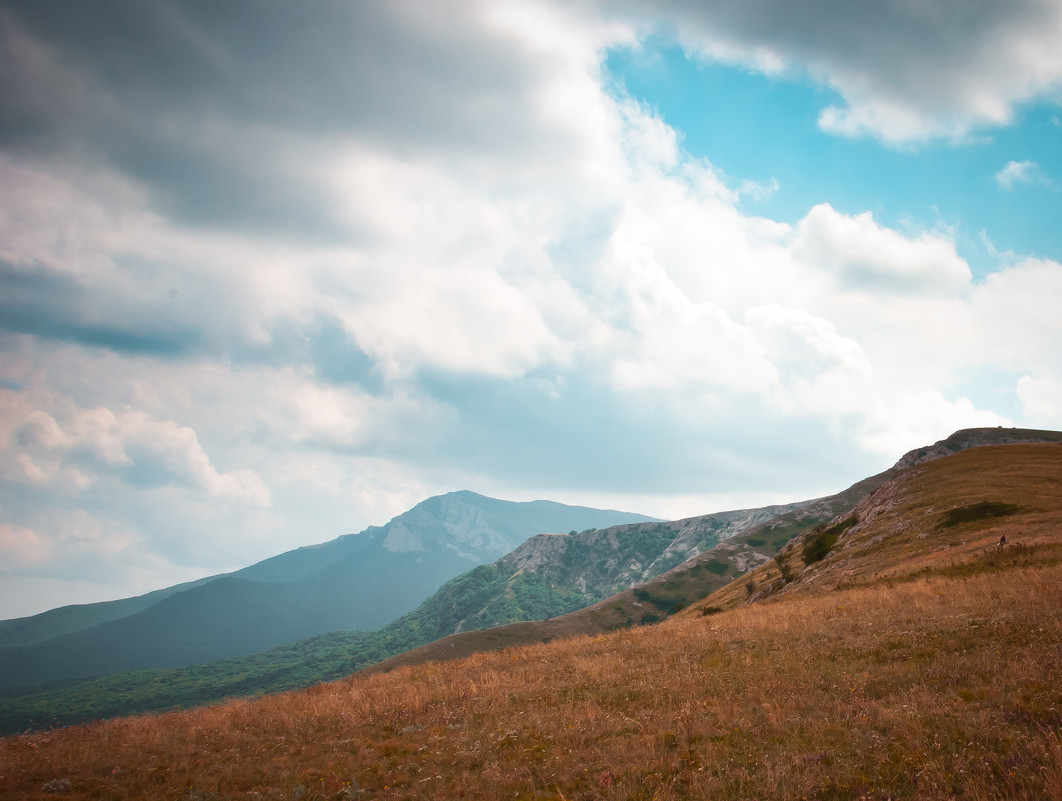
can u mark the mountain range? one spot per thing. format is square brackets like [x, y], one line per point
[359, 581]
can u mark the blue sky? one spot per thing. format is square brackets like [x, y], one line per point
[272, 274]
[764, 129]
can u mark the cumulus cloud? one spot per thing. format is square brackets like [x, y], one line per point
[912, 419]
[1014, 313]
[129, 445]
[863, 255]
[819, 371]
[1041, 400]
[22, 546]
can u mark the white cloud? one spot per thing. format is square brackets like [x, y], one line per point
[820, 372]
[1015, 321]
[129, 445]
[1041, 400]
[864, 256]
[22, 546]
[906, 421]
[1017, 172]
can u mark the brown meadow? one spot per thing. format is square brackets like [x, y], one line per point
[942, 684]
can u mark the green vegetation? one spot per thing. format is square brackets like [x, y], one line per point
[298, 664]
[478, 599]
[716, 566]
[822, 539]
[976, 511]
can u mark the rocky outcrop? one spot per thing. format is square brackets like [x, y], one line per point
[975, 438]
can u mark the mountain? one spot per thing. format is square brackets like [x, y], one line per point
[357, 581]
[66, 619]
[708, 570]
[534, 590]
[893, 651]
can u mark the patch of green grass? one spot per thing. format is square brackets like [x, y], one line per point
[976, 511]
[716, 566]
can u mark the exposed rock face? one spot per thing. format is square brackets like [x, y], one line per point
[602, 562]
[540, 550]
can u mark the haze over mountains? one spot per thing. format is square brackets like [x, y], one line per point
[358, 581]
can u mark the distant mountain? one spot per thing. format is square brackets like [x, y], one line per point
[66, 619]
[357, 581]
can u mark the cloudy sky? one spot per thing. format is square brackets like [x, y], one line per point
[271, 272]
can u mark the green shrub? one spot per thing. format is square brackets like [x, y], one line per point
[784, 568]
[822, 539]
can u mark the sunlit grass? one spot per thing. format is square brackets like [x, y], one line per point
[940, 687]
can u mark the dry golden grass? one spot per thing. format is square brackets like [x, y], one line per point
[945, 685]
[938, 688]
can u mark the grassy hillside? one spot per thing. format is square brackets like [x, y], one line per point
[484, 597]
[897, 666]
[474, 598]
[948, 512]
[655, 599]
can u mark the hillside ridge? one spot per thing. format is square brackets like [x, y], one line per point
[707, 572]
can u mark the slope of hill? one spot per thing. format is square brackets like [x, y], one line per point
[354, 582]
[947, 514]
[891, 667]
[67, 619]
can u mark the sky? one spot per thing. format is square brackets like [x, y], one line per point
[274, 272]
